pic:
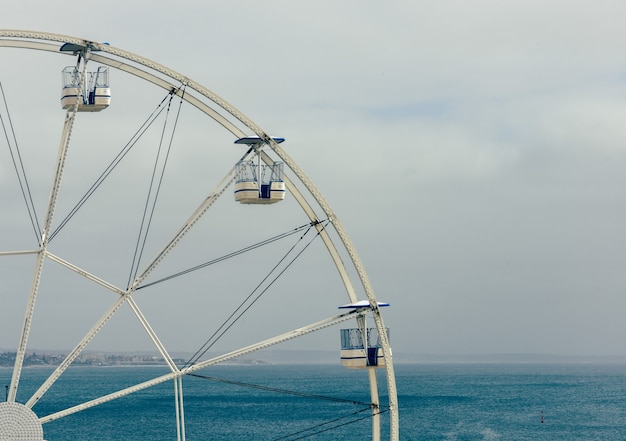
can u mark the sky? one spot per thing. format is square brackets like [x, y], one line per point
[473, 150]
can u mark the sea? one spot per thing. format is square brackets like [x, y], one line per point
[437, 401]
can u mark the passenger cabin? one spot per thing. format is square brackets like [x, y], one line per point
[93, 96]
[358, 352]
[259, 183]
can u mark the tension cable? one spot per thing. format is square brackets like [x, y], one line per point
[279, 390]
[313, 430]
[356, 420]
[141, 243]
[247, 303]
[115, 162]
[230, 255]
[18, 165]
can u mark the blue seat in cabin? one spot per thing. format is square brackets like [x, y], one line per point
[372, 356]
[265, 191]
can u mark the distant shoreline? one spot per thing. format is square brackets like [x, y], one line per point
[110, 359]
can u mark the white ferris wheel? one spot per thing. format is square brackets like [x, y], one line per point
[121, 235]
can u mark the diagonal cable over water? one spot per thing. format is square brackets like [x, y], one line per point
[278, 390]
[246, 304]
[302, 433]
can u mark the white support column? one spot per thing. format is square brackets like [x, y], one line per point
[30, 308]
[180, 409]
[371, 371]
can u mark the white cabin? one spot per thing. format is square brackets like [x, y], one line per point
[93, 96]
[359, 353]
[259, 184]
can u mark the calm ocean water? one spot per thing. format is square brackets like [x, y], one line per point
[437, 402]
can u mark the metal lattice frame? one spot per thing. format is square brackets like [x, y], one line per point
[227, 116]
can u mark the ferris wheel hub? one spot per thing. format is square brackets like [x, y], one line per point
[18, 422]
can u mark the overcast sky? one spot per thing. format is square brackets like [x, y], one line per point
[475, 151]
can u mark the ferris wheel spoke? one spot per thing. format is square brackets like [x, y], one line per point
[290, 335]
[322, 324]
[17, 253]
[69, 359]
[84, 273]
[78, 349]
[125, 296]
[152, 334]
[28, 317]
[109, 397]
[226, 181]
[133, 305]
[70, 117]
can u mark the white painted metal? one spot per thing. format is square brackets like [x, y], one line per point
[171, 80]
[180, 409]
[184, 229]
[126, 294]
[206, 363]
[30, 309]
[84, 273]
[371, 372]
[18, 422]
[17, 253]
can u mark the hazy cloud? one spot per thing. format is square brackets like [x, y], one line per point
[474, 150]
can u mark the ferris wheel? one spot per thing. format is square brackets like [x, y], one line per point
[123, 234]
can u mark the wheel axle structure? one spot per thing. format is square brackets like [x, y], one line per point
[18, 420]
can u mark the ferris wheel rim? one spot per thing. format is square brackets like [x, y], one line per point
[32, 40]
